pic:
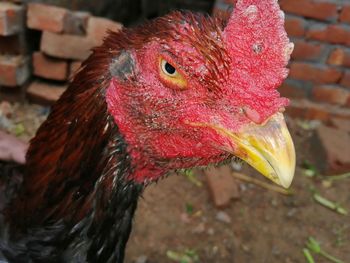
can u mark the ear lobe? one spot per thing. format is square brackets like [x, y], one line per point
[257, 42]
[123, 66]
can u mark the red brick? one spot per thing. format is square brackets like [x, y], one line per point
[332, 151]
[335, 34]
[50, 68]
[345, 81]
[330, 94]
[11, 19]
[339, 57]
[292, 91]
[98, 27]
[14, 70]
[46, 17]
[306, 109]
[307, 50]
[315, 74]
[345, 14]
[45, 93]
[310, 8]
[73, 68]
[77, 47]
[76, 23]
[295, 27]
[65, 46]
[222, 186]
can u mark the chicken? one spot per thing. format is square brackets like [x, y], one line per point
[182, 90]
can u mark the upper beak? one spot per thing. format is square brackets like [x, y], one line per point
[268, 148]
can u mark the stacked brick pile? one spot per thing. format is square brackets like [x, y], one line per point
[67, 38]
[14, 62]
[319, 79]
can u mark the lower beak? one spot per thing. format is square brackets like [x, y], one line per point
[268, 148]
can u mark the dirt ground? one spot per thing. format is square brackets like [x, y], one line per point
[176, 220]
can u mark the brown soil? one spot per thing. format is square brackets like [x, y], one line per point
[265, 226]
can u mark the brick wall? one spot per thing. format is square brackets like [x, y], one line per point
[14, 59]
[64, 38]
[319, 79]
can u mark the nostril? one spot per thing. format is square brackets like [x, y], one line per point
[253, 115]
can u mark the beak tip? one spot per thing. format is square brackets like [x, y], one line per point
[286, 181]
[285, 176]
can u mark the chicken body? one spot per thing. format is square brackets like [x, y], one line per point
[181, 91]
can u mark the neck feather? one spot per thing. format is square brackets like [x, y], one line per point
[76, 201]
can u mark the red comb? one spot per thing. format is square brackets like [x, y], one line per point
[258, 44]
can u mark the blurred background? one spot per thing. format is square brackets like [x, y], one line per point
[224, 214]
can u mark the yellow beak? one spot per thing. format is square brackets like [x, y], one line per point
[268, 148]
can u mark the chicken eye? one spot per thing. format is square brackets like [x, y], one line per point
[168, 68]
[171, 76]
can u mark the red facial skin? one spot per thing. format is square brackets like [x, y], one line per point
[231, 75]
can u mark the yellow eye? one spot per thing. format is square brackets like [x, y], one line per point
[171, 75]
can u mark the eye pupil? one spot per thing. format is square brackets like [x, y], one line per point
[169, 68]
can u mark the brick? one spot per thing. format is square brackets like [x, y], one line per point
[49, 68]
[46, 17]
[14, 70]
[332, 150]
[45, 93]
[222, 186]
[313, 73]
[77, 47]
[13, 45]
[306, 109]
[345, 14]
[73, 68]
[291, 90]
[345, 81]
[330, 94]
[322, 10]
[304, 50]
[339, 57]
[98, 27]
[340, 124]
[334, 34]
[75, 23]
[65, 46]
[295, 27]
[11, 19]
